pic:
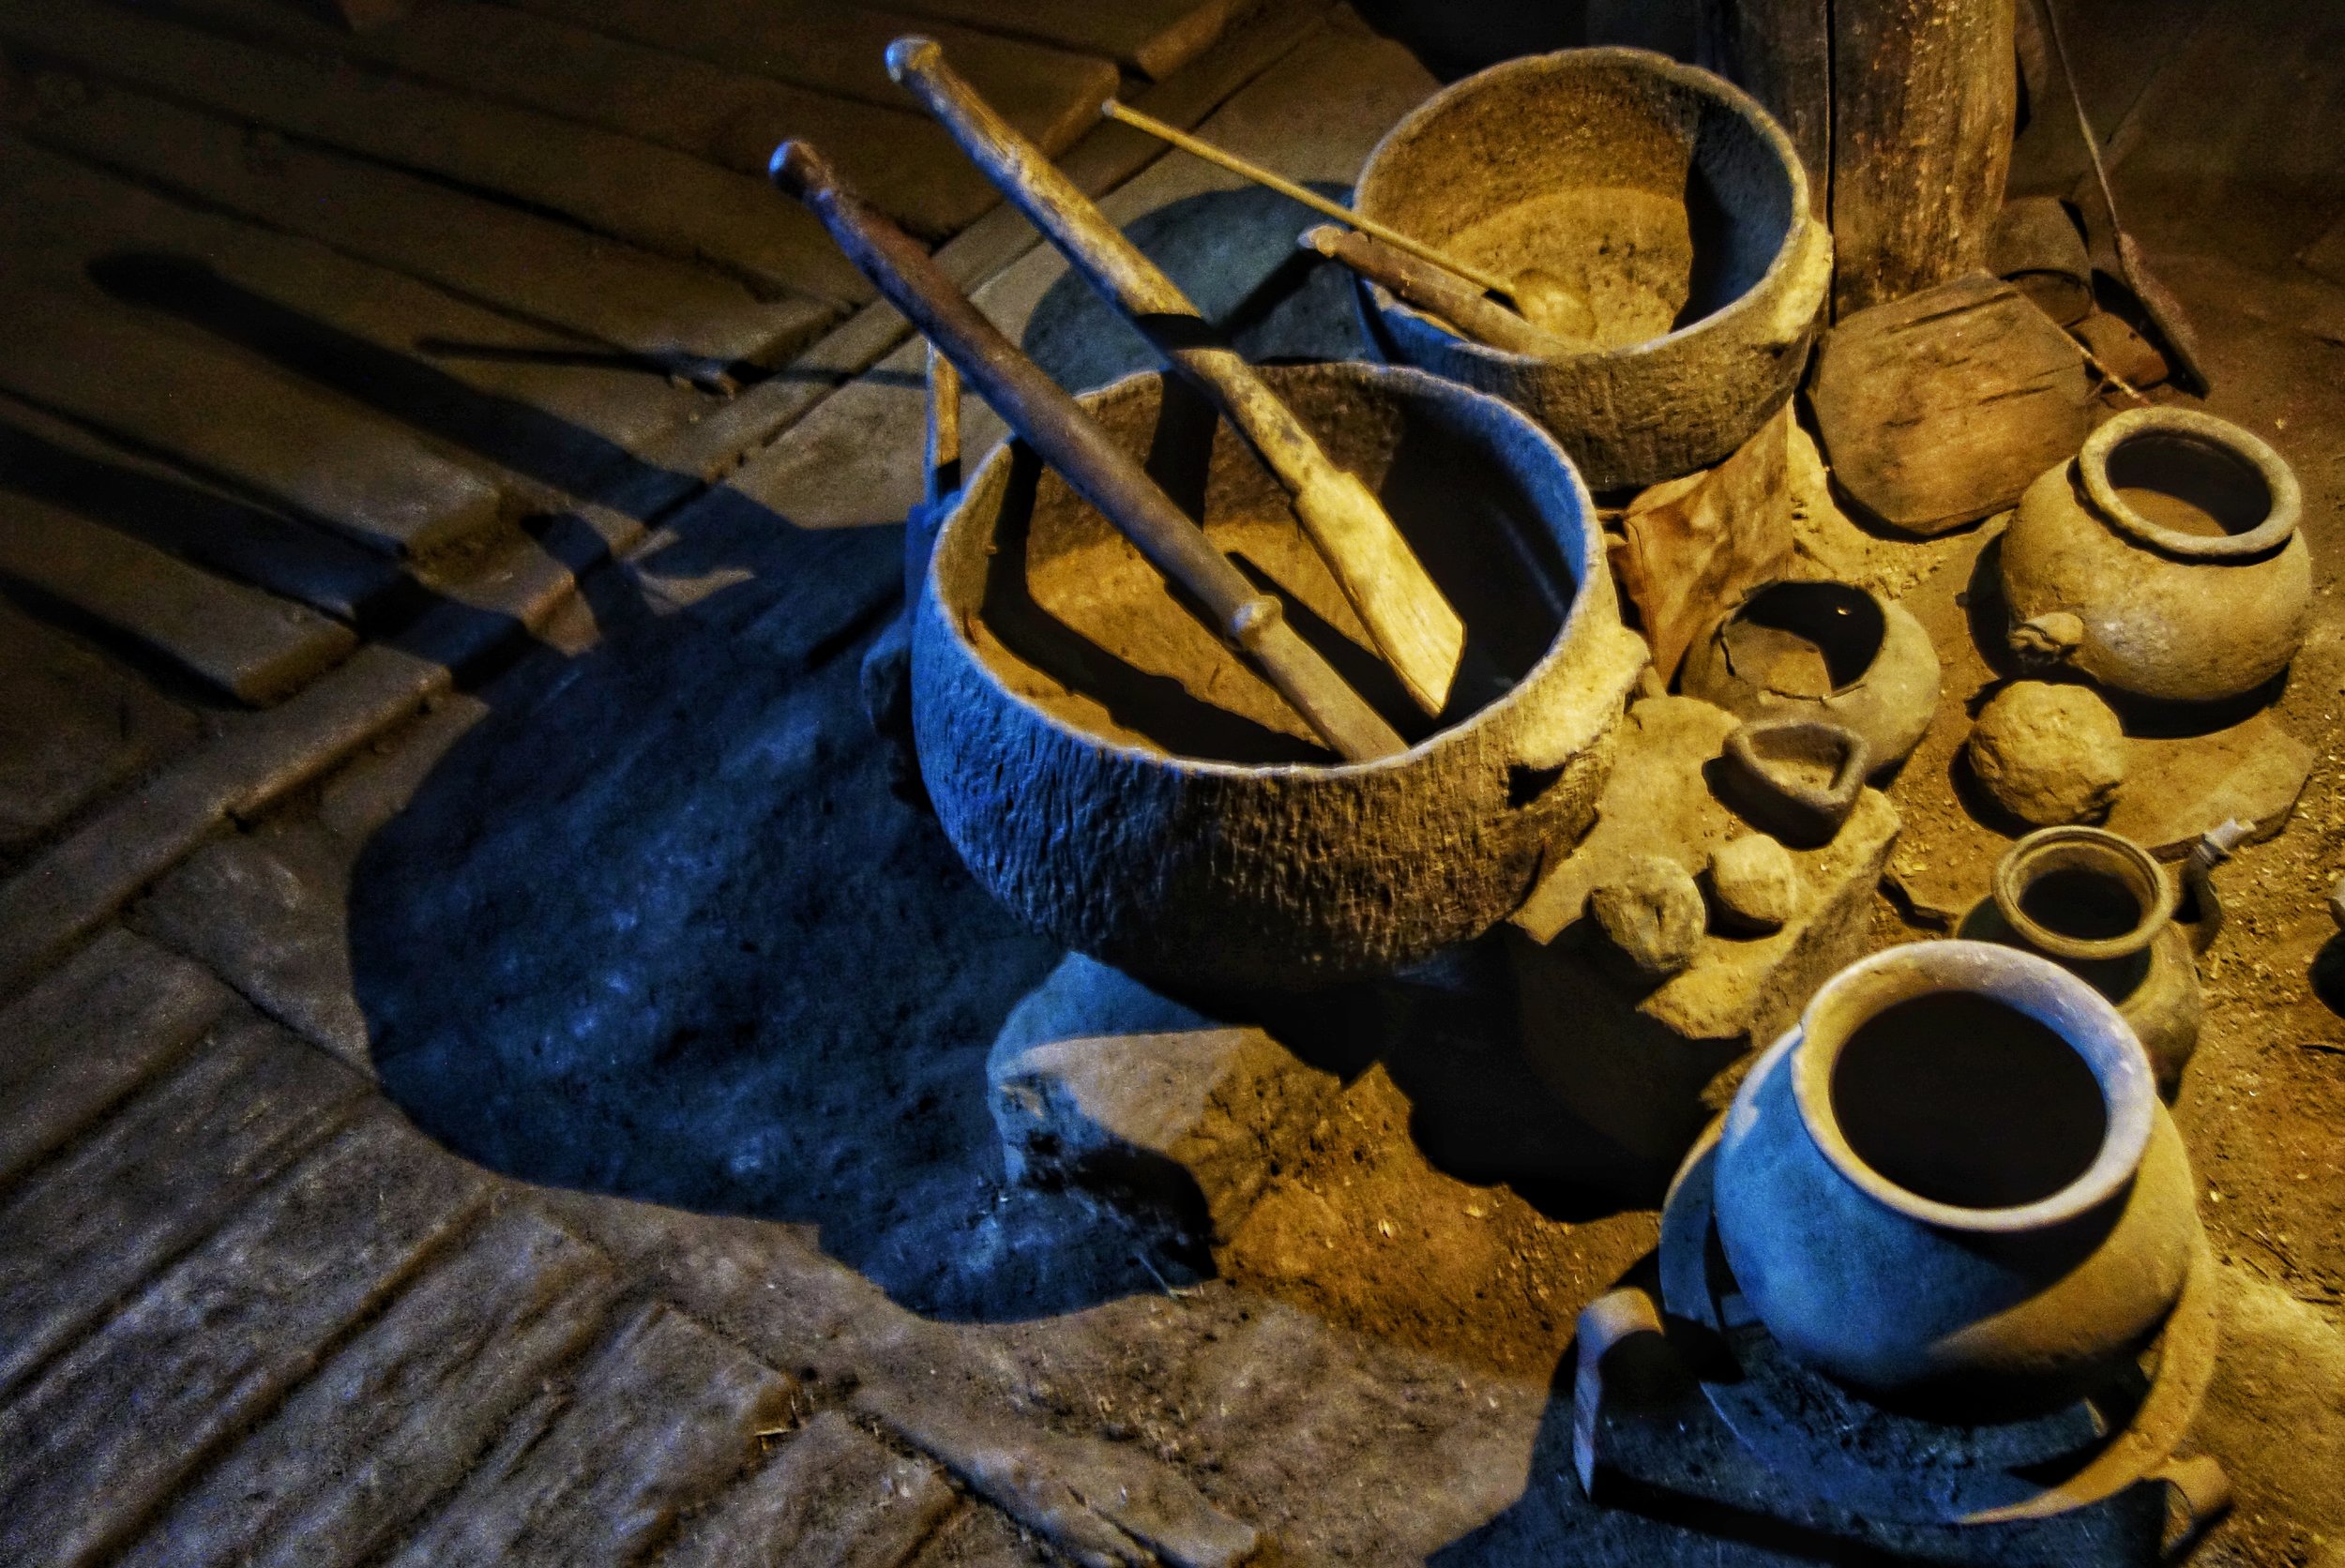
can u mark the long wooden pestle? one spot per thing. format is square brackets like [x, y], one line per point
[1420, 636]
[1099, 471]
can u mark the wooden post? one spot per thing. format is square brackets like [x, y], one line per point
[1904, 112]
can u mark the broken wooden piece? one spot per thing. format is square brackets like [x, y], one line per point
[1939, 409]
[1696, 546]
[1404, 612]
[1101, 472]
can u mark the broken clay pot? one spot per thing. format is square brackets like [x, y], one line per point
[2164, 561]
[1822, 651]
[1127, 785]
[1952, 1186]
[2098, 905]
[1797, 779]
[1665, 197]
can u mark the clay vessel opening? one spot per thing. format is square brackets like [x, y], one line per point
[2080, 902]
[2188, 485]
[1805, 639]
[1966, 1101]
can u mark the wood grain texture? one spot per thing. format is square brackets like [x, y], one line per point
[830, 1497]
[1154, 37]
[1924, 97]
[1781, 52]
[1939, 408]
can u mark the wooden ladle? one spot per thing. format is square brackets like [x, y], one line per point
[1539, 296]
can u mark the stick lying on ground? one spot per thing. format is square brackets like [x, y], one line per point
[1428, 287]
[1100, 472]
[1418, 633]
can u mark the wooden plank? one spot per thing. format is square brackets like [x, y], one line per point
[832, 1496]
[611, 184]
[397, 1416]
[661, 1419]
[248, 644]
[1781, 52]
[673, 312]
[73, 724]
[165, 1168]
[896, 156]
[90, 1448]
[111, 1016]
[324, 457]
[1924, 96]
[1154, 37]
[55, 460]
[557, 415]
[1050, 94]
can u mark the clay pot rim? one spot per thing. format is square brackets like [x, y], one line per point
[1803, 230]
[1882, 605]
[1581, 624]
[2124, 858]
[2035, 986]
[2202, 429]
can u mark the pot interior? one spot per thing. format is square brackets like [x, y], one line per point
[1068, 615]
[1805, 639]
[2188, 485]
[1630, 183]
[2084, 903]
[1964, 1100]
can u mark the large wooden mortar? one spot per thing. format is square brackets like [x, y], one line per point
[1664, 196]
[1127, 786]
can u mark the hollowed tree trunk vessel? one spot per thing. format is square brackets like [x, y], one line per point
[1666, 197]
[1953, 1186]
[1123, 783]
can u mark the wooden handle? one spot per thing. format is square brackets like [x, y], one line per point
[1404, 612]
[1071, 441]
[1485, 283]
[1428, 287]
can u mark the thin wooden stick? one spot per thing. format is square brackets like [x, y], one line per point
[1487, 282]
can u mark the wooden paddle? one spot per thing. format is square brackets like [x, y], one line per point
[1102, 473]
[1420, 636]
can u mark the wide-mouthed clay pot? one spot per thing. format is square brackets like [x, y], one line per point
[2099, 906]
[1666, 198]
[1826, 652]
[2164, 561]
[1123, 783]
[1953, 1186]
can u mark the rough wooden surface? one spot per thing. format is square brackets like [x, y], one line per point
[1154, 38]
[1924, 96]
[830, 1497]
[660, 1419]
[1939, 409]
[390, 1421]
[217, 1338]
[248, 644]
[615, 184]
[1781, 52]
[84, 1230]
[547, 271]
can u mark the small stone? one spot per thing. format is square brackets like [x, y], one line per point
[1653, 914]
[2049, 754]
[1757, 883]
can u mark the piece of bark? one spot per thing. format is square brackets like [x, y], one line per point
[1939, 408]
[1694, 546]
[1925, 96]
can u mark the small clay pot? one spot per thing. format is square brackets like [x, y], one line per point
[2164, 561]
[1667, 197]
[2098, 905]
[1797, 779]
[1823, 651]
[1953, 1186]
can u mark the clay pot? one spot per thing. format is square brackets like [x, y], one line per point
[2165, 561]
[2098, 905]
[1124, 784]
[1821, 651]
[1953, 1187]
[1661, 194]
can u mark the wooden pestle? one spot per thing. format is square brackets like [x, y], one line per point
[1099, 471]
[1428, 287]
[1420, 636]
